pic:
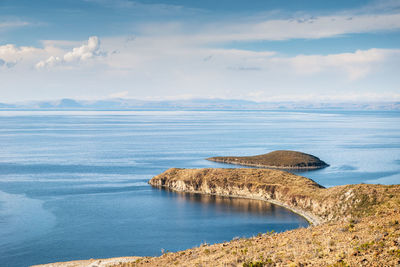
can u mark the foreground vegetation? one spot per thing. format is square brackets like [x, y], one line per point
[370, 241]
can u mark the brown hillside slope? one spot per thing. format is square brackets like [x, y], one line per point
[280, 159]
[359, 223]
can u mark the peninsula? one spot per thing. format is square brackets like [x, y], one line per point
[352, 225]
[279, 159]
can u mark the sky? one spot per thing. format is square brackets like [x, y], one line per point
[259, 50]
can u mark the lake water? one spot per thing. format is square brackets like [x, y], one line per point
[73, 184]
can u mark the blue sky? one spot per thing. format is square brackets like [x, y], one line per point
[255, 50]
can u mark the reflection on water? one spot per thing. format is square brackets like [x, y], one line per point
[222, 204]
[22, 219]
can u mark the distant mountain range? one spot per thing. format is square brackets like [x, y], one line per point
[191, 104]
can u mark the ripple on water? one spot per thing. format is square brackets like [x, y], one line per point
[22, 219]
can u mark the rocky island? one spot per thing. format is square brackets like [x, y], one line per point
[279, 159]
[352, 225]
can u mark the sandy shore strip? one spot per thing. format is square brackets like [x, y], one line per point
[91, 263]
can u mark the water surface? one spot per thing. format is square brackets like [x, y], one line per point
[73, 184]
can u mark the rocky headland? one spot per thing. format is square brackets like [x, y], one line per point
[300, 194]
[353, 225]
[279, 159]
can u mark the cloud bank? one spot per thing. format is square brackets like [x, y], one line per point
[356, 65]
[10, 54]
[163, 60]
[300, 27]
[78, 54]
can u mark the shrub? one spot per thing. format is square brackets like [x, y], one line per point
[257, 263]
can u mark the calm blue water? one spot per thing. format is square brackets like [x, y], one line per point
[73, 184]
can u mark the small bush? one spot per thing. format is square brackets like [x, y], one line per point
[270, 232]
[257, 263]
[395, 252]
[340, 263]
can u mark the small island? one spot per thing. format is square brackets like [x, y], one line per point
[279, 159]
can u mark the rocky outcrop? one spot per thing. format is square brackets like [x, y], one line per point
[280, 159]
[278, 187]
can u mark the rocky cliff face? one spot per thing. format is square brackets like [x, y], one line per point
[268, 185]
[297, 193]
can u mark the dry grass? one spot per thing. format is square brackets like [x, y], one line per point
[372, 241]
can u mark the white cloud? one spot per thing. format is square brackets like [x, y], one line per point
[303, 27]
[113, 3]
[381, 6]
[324, 97]
[313, 28]
[147, 55]
[61, 43]
[78, 54]
[356, 65]
[165, 67]
[119, 94]
[159, 68]
[138, 7]
[10, 54]
[170, 61]
[84, 52]
[5, 25]
[50, 62]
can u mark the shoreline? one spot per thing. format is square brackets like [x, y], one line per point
[215, 181]
[106, 262]
[312, 219]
